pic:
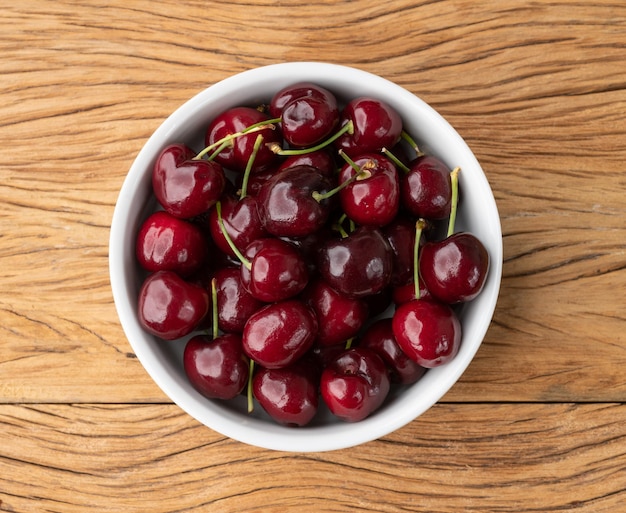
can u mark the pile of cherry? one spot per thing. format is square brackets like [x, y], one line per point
[279, 248]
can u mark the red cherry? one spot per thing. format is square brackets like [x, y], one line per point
[287, 202]
[427, 331]
[376, 126]
[289, 395]
[355, 384]
[380, 338]
[235, 304]
[183, 186]
[358, 265]
[241, 221]
[340, 317]
[280, 333]
[167, 243]
[426, 189]
[277, 270]
[170, 307]
[374, 199]
[236, 154]
[454, 269]
[218, 368]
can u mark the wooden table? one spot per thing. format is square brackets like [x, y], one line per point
[538, 421]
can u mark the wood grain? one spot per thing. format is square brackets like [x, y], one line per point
[538, 90]
[475, 458]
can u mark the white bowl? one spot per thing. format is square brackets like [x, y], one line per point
[163, 360]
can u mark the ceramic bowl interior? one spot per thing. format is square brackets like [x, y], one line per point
[163, 360]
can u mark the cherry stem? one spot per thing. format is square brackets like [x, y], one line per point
[399, 164]
[249, 164]
[361, 175]
[214, 308]
[407, 137]
[454, 180]
[244, 261]
[339, 226]
[249, 391]
[227, 140]
[419, 227]
[347, 128]
[349, 343]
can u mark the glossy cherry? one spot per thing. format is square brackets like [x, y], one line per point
[454, 270]
[308, 120]
[169, 307]
[241, 221]
[380, 338]
[235, 304]
[374, 198]
[276, 270]
[426, 189]
[236, 152]
[376, 126]
[427, 331]
[358, 265]
[217, 368]
[184, 186]
[280, 333]
[340, 317]
[288, 206]
[322, 160]
[355, 384]
[168, 243]
[289, 395]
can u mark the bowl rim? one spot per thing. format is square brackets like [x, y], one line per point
[258, 432]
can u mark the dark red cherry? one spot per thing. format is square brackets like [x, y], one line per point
[218, 368]
[235, 304]
[426, 189]
[454, 269]
[167, 243]
[169, 307]
[322, 160]
[374, 199]
[355, 384]
[292, 92]
[376, 126]
[185, 187]
[289, 395]
[380, 338]
[235, 156]
[280, 333]
[308, 121]
[277, 270]
[340, 317]
[358, 265]
[427, 331]
[287, 202]
[241, 221]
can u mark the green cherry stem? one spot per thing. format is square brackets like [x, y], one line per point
[407, 137]
[320, 196]
[249, 390]
[249, 164]
[349, 343]
[244, 261]
[348, 128]
[454, 180]
[227, 140]
[399, 164]
[419, 227]
[214, 316]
